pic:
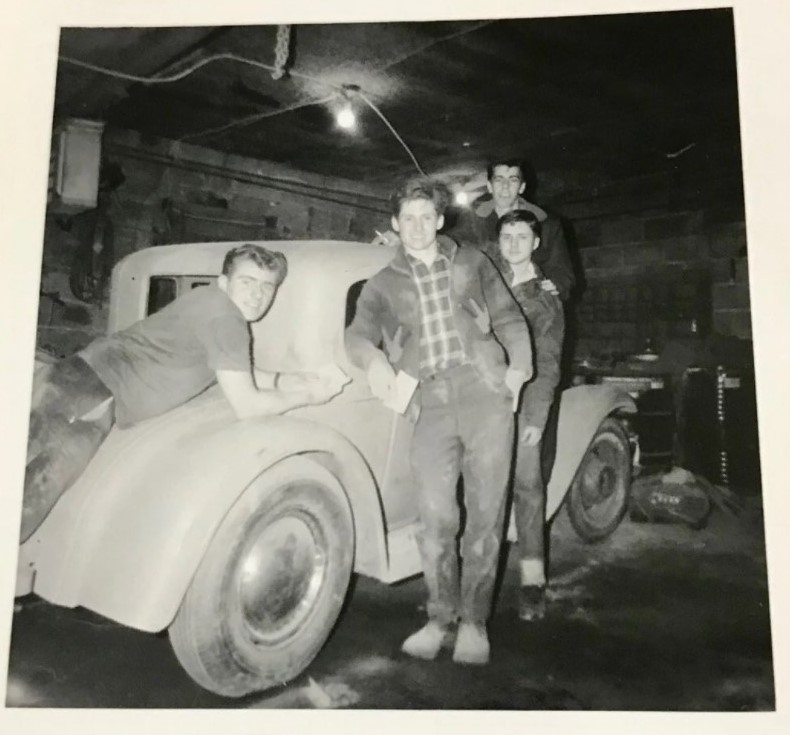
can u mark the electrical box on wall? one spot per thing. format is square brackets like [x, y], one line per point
[74, 166]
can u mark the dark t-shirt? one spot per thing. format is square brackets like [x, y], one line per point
[169, 357]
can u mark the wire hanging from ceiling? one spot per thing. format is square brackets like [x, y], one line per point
[277, 71]
[251, 119]
[392, 130]
[178, 76]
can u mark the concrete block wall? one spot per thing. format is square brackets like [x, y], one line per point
[657, 248]
[175, 193]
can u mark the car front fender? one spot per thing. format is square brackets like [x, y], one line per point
[127, 537]
[582, 409]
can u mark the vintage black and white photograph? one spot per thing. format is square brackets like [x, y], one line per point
[395, 365]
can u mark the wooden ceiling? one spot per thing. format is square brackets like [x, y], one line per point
[586, 100]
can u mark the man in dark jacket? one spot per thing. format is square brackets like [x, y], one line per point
[519, 237]
[443, 315]
[479, 227]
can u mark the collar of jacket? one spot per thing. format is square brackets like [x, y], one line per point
[507, 271]
[484, 209]
[447, 248]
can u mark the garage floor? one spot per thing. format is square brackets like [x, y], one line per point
[659, 617]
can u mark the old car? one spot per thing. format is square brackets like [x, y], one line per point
[240, 537]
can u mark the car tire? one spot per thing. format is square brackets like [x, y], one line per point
[268, 590]
[599, 493]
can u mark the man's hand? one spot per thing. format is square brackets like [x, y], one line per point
[387, 238]
[322, 388]
[292, 382]
[530, 436]
[514, 379]
[381, 377]
[548, 285]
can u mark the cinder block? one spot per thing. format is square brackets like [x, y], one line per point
[731, 296]
[673, 225]
[733, 323]
[715, 216]
[742, 324]
[728, 240]
[685, 249]
[621, 231]
[642, 254]
[720, 270]
[587, 234]
[742, 270]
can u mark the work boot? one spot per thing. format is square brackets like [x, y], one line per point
[532, 602]
[427, 641]
[471, 645]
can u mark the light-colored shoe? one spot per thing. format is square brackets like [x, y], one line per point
[427, 641]
[471, 645]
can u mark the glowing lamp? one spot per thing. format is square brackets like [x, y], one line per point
[346, 118]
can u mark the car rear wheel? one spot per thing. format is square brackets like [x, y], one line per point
[271, 584]
[599, 493]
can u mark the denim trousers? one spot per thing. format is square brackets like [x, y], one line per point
[465, 428]
[529, 501]
[61, 442]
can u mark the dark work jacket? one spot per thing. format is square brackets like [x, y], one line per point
[478, 228]
[546, 321]
[491, 326]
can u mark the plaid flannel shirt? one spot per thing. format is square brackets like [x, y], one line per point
[440, 342]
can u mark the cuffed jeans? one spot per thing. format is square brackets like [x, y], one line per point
[529, 499]
[61, 442]
[464, 427]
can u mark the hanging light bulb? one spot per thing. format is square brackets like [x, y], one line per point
[346, 118]
[461, 198]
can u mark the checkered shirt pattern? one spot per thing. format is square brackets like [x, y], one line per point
[440, 342]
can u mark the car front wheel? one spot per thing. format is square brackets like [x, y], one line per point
[271, 584]
[599, 493]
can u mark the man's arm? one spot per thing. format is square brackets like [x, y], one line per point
[507, 319]
[247, 400]
[289, 382]
[362, 339]
[363, 335]
[548, 329]
[553, 258]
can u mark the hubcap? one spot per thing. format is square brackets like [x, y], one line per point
[599, 491]
[279, 577]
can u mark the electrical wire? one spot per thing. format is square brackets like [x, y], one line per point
[255, 118]
[191, 69]
[434, 42]
[392, 130]
[268, 67]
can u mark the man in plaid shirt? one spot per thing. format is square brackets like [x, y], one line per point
[445, 317]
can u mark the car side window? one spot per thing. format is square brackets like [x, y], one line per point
[164, 289]
[161, 291]
[351, 300]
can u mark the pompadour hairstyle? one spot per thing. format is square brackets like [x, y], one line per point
[509, 162]
[420, 188]
[271, 260]
[519, 215]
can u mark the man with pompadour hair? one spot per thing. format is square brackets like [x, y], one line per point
[155, 365]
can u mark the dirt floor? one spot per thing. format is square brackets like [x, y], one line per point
[658, 617]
